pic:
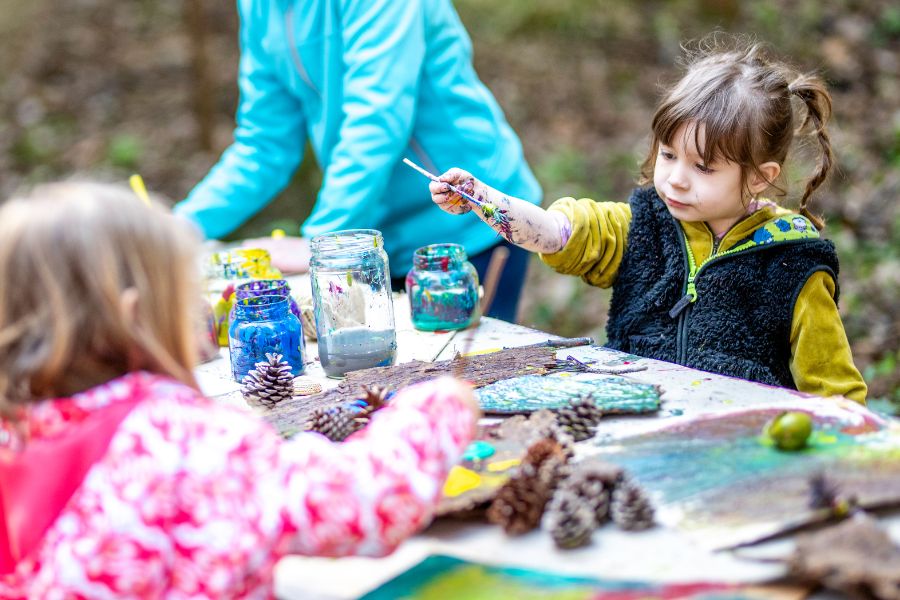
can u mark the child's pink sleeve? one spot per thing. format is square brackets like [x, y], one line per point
[368, 494]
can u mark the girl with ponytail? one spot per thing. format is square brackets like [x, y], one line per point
[707, 270]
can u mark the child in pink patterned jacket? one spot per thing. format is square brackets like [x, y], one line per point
[118, 478]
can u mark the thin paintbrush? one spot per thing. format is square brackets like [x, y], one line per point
[434, 177]
[490, 211]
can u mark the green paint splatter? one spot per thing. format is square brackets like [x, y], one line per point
[478, 450]
[533, 392]
[478, 584]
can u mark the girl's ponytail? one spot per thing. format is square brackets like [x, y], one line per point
[811, 90]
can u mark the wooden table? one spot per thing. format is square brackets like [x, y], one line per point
[660, 554]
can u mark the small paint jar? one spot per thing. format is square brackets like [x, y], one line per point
[274, 287]
[352, 302]
[260, 325]
[442, 288]
[267, 287]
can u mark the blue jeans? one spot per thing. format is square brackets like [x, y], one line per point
[509, 288]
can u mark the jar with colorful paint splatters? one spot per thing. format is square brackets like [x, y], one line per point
[260, 325]
[224, 271]
[442, 287]
[352, 301]
[274, 287]
[267, 287]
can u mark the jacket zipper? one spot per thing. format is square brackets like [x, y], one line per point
[304, 75]
[682, 308]
[416, 147]
[295, 55]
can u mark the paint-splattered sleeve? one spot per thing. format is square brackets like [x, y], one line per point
[597, 242]
[368, 494]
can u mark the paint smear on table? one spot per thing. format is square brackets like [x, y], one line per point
[528, 393]
[442, 577]
[718, 477]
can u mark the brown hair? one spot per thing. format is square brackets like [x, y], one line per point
[68, 253]
[742, 99]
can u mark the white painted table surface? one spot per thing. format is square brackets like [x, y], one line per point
[659, 554]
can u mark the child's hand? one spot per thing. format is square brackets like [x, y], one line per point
[448, 200]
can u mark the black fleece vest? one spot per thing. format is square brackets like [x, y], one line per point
[740, 323]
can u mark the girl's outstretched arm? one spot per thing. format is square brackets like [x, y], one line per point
[368, 494]
[518, 221]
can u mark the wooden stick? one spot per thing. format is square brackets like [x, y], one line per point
[492, 276]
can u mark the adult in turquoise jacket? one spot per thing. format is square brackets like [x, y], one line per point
[367, 82]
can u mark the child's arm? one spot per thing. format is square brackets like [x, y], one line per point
[821, 361]
[368, 494]
[520, 222]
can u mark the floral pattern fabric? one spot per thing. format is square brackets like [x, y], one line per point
[194, 499]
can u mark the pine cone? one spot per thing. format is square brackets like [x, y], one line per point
[570, 519]
[520, 503]
[548, 428]
[268, 383]
[335, 422]
[593, 486]
[374, 398]
[580, 418]
[631, 509]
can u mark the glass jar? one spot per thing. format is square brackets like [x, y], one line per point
[352, 301]
[442, 288]
[267, 287]
[274, 287]
[226, 270]
[260, 325]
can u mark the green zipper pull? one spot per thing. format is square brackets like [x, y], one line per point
[691, 290]
[689, 297]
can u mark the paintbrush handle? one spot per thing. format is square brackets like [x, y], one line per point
[435, 178]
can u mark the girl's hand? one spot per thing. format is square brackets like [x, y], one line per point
[289, 254]
[448, 200]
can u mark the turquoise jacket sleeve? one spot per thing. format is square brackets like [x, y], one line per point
[384, 47]
[268, 142]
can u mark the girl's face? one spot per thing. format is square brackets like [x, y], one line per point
[694, 191]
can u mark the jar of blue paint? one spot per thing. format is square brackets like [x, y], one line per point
[260, 325]
[442, 287]
[352, 301]
[267, 287]
[274, 287]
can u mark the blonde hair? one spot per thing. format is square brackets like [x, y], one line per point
[69, 253]
[742, 99]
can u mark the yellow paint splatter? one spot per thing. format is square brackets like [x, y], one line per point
[460, 480]
[486, 351]
[503, 465]
[824, 438]
[696, 382]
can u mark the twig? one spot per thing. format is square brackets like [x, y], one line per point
[492, 276]
[606, 370]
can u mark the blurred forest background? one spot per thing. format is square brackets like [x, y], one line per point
[106, 88]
